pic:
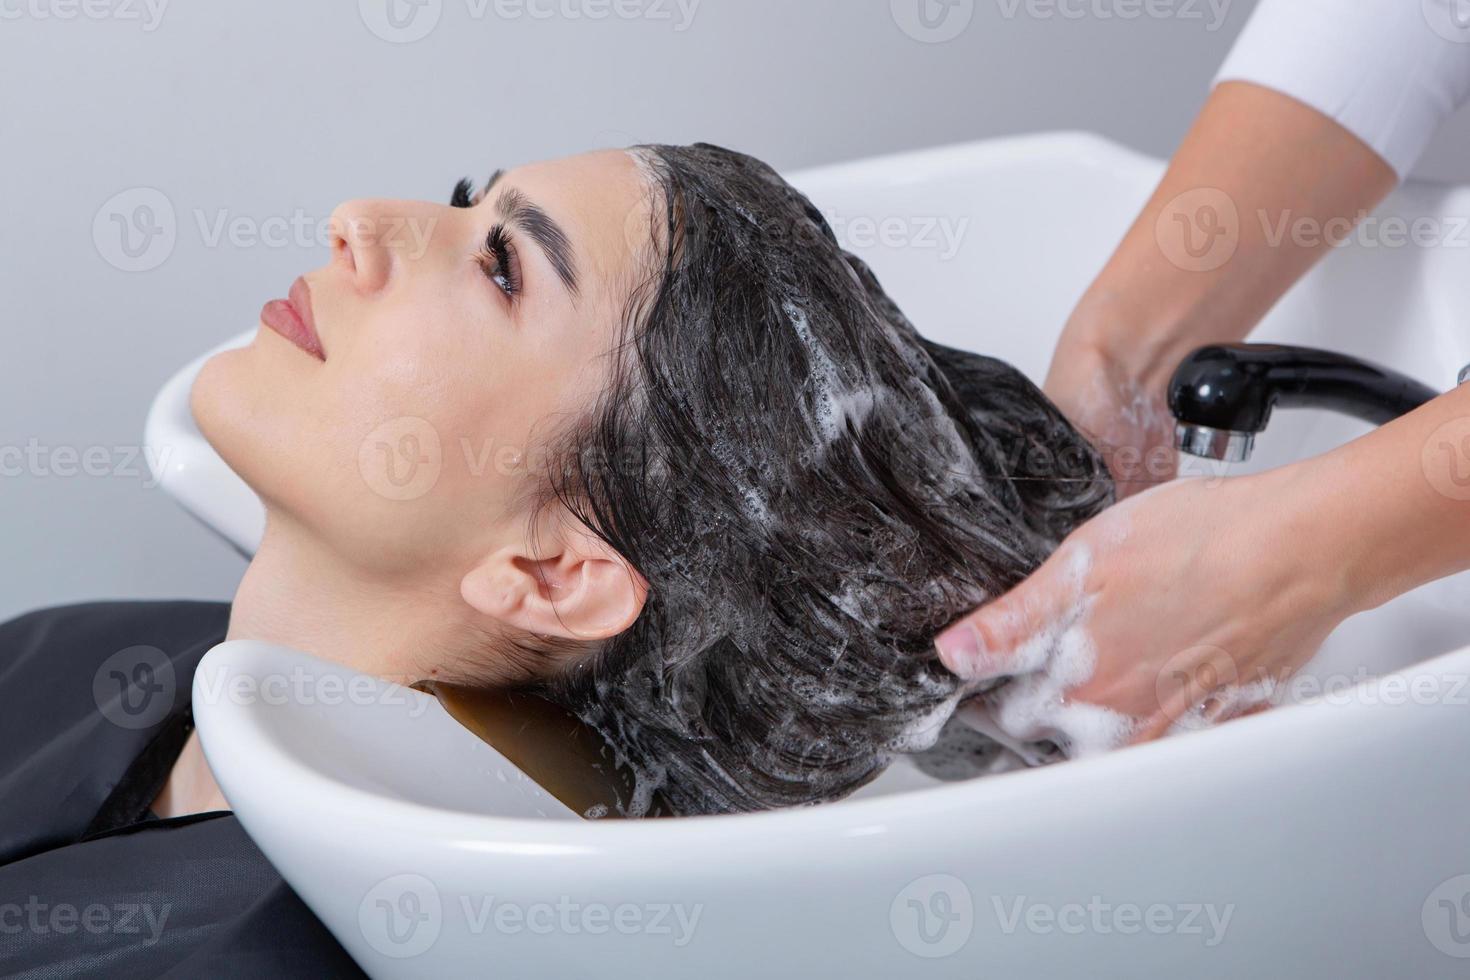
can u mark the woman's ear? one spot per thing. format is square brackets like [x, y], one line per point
[566, 583]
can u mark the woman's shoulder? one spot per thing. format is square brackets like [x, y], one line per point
[84, 690]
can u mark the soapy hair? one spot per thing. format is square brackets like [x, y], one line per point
[811, 491]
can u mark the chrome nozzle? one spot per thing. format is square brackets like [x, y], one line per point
[1219, 444]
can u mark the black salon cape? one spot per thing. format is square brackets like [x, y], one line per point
[87, 873]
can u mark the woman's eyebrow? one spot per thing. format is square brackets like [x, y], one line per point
[518, 210]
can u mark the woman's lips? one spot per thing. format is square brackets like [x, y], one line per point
[292, 319]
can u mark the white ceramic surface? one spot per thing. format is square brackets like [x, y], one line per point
[1332, 833]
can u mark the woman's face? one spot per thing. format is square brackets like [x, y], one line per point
[455, 341]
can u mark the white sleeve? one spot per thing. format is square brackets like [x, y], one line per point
[1390, 71]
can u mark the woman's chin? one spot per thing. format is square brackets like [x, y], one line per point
[232, 408]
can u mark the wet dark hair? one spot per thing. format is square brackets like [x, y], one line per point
[811, 490]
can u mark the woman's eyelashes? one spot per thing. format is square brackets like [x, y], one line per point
[463, 195]
[498, 260]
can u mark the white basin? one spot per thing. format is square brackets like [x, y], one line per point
[1326, 838]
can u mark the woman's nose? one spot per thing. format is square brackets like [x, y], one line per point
[375, 239]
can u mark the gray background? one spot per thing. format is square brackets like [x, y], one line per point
[264, 109]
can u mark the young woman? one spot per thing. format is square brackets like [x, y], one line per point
[630, 429]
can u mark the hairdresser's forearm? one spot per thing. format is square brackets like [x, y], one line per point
[1280, 164]
[1391, 511]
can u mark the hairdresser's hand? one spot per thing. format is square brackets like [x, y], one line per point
[1121, 411]
[1194, 597]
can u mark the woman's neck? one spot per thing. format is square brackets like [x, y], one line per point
[298, 595]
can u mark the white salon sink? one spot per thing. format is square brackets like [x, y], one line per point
[1321, 839]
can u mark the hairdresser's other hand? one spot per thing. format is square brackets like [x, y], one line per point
[1122, 412]
[1194, 597]
[1259, 152]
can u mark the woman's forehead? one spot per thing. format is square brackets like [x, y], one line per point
[601, 198]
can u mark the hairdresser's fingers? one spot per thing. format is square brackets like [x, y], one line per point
[1127, 420]
[992, 641]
